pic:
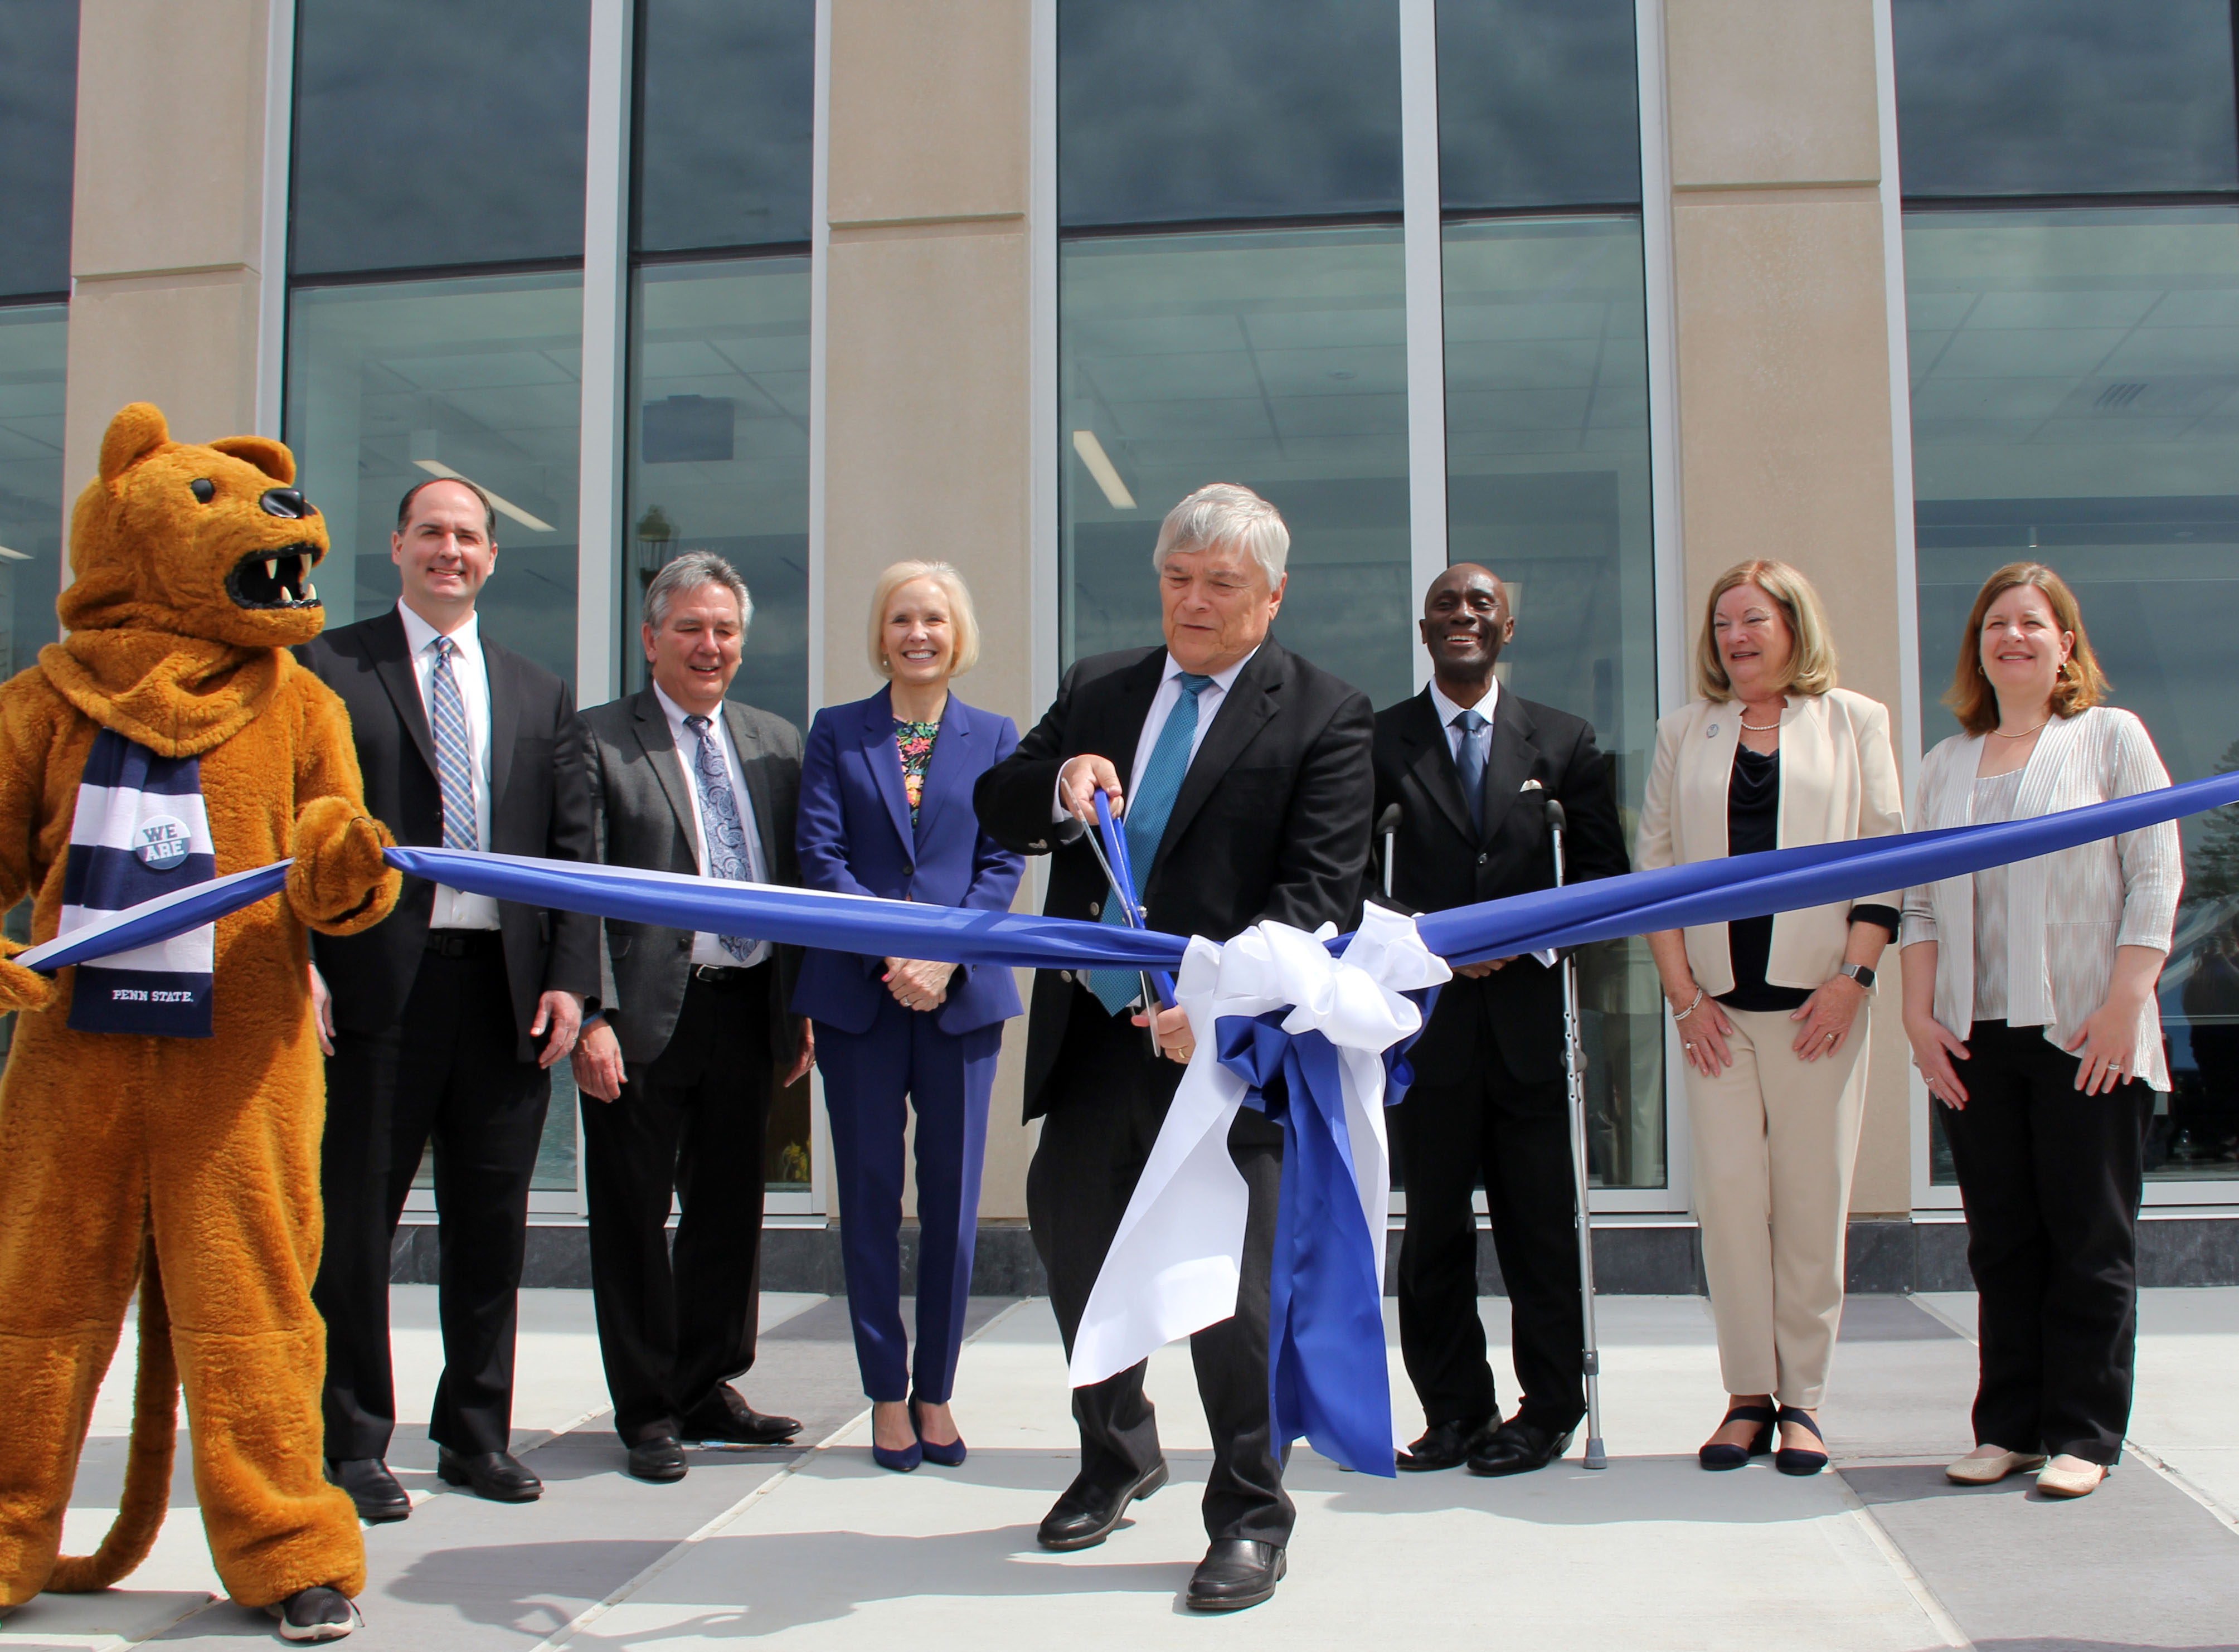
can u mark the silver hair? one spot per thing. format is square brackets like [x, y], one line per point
[689, 572]
[1226, 513]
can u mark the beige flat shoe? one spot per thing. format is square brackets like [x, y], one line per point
[1992, 1467]
[2067, 1477]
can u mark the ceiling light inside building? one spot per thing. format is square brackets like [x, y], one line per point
[505, 506]
[1100, 466]
[15, 556]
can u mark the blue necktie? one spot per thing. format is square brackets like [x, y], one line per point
[455, 752]
[1146, 823]
[719, 822]
[1471, 761]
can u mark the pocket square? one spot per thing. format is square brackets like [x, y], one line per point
[1531, 786]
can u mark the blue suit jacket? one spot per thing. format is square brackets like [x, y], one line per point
[855, 837]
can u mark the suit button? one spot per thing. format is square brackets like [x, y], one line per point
[908, 871]
[1481, 859]
[684, 943]
[1096, 909]
[1066, 976]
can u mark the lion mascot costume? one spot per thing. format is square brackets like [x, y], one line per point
[161, 1112]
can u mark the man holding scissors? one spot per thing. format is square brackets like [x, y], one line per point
[1244, 776]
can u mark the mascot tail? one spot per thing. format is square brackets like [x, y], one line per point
[148, 1470]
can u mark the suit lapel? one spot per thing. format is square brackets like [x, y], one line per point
[1508, 761]
[660, 743]
[749, 750]
[947, 763]
[1247, 708]
[1434, 766]
[392, 663]
[505, 720]
[886, 763]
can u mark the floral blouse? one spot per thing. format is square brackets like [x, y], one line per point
[914, 742]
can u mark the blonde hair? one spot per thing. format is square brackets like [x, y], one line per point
[962, 620]
[2080, 684]
[1811, 658]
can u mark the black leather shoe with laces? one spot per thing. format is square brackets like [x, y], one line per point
[1236, 1572]
[1084, 1515]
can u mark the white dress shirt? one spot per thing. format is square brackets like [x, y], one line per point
[706, 949]
[455, 909]
[1448, 711]
[1209, 699]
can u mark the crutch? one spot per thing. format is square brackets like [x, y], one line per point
[1597, 1454]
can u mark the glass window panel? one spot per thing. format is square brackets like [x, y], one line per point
[2065, 96]
[1173, 110]
[2076, 401]
[34, 346]
[725, 91]
[432, 132]
[1537, 104]
[394, 383]
[1548, 485]
[1276, 359]
[38, 142]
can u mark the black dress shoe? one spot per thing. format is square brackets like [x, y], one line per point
[1235, 1573]
[727, 1417]
[371, 1487]
[1084, 1515]
[1518, 1446]
[660, 1459]
[1444, 1445]
[494, 1475]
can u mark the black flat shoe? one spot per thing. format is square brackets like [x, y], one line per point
[1234, 1574]
[1733, 1456]
[1084, 1515]
[1790, 1460]
[371, 1487]
[494, 1475]
[1518, 1446]
[660, 1460]
[727, 1419]
[315, 1614]
[1444, 1445]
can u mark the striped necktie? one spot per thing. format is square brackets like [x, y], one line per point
[455, 752]
[1147, 813]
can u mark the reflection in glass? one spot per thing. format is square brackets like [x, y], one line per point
[1274, 359]
[2076, 401]
[430, 133]
[725, 89]
[719, 455]
[1548, 485]
[390, 384]
[34, 341]
[1537, 104]
[2065, 96]
[38, 140]
[1173, 110]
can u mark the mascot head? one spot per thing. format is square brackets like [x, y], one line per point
[210, 542]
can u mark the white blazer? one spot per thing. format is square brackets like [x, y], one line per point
[2066, 913]
[1838, 781]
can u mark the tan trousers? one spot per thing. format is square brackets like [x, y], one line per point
[1775, 1138]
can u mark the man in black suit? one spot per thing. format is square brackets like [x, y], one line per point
[1472, 768]
[442, 1021]
[1245, 775]
[678, 1071]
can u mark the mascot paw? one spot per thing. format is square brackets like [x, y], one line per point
[340, 884]
[21, 988]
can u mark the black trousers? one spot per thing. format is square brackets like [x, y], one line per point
[1093, 1144]
[446, 1072]
[2051, 1179]
[1517, 1136]
[675, 1328]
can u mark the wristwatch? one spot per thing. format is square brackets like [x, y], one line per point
[1861, 974]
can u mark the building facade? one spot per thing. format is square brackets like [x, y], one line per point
[1607, 294]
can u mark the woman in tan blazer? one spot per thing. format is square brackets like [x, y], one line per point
[2039, 977]
[1772, 1011]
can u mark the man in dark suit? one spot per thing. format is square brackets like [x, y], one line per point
[1245, 774]
[678, 1071]
[443, 1020]
[1472, 768]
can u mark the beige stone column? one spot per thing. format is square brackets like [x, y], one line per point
[168, 219]
[1783, 365]
[928, 421]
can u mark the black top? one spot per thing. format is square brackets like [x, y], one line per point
[1753, 827]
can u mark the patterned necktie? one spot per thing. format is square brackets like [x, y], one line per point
[1471, 761]
[455, 752]
[1146, 823]
[719, 822]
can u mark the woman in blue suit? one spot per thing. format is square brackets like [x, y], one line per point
[886, 809]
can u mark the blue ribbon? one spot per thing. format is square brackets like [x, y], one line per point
[1327, 1383]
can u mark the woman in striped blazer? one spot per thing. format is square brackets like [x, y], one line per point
[2029, 1001]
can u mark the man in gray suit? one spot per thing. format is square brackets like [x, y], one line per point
[678, 1071]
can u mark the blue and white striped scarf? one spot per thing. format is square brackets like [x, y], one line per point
[139, 830]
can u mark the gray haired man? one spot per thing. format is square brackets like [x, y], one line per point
[677, 1073]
